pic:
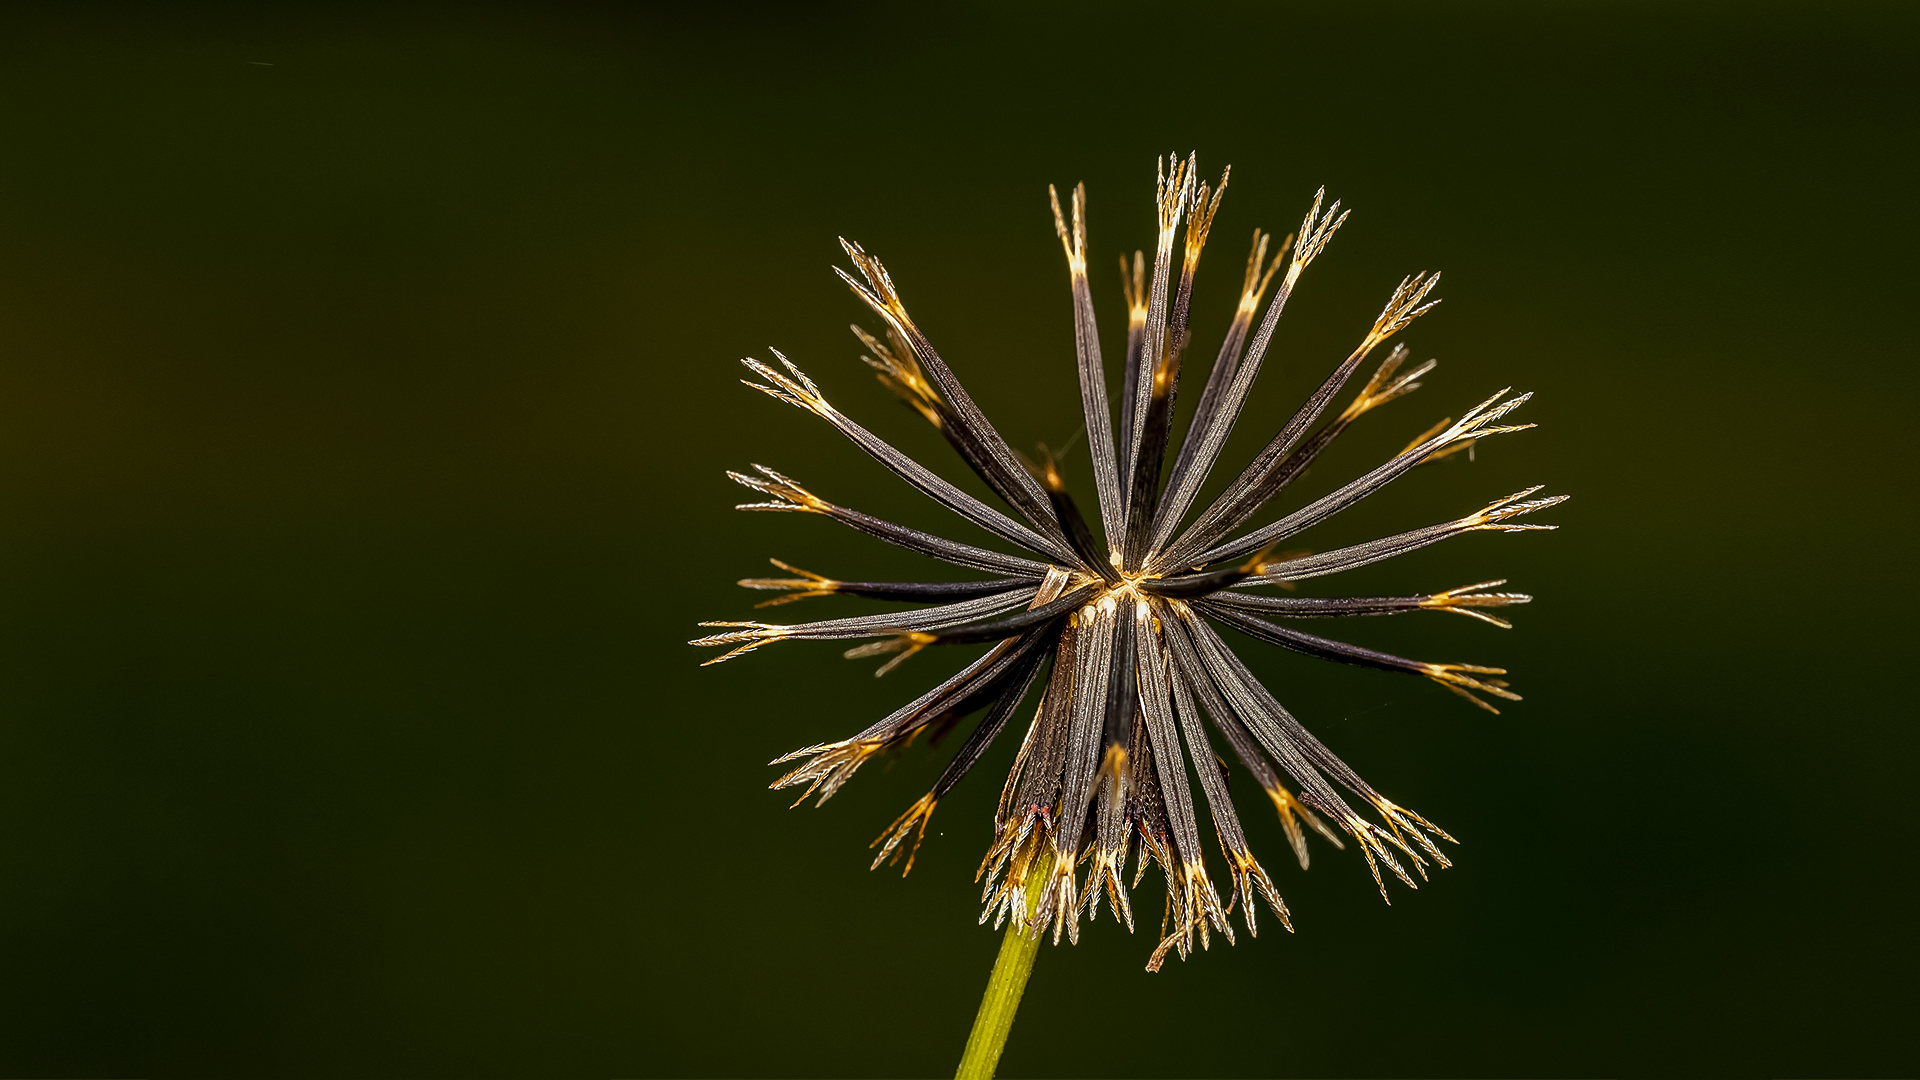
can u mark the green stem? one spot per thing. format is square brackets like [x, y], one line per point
[1004, 987]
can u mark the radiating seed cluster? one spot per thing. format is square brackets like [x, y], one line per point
[1120, 630]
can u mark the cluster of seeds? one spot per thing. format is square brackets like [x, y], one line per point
[1121, 629]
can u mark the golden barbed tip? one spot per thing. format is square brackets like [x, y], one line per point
[1459, 678]
[808, 585]
[805, 751]
[747, 648]
[1466, 599]
[904, 644]
[832, 765]
[916, 815]
[755, 635]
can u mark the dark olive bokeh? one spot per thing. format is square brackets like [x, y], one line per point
[366, 381]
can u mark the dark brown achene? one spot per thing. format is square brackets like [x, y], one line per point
[1120, 630]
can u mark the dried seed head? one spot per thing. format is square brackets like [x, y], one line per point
[1121, 629]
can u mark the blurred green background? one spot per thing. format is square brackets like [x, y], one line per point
[366, 380]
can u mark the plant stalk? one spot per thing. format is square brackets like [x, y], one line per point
[1011, 969]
